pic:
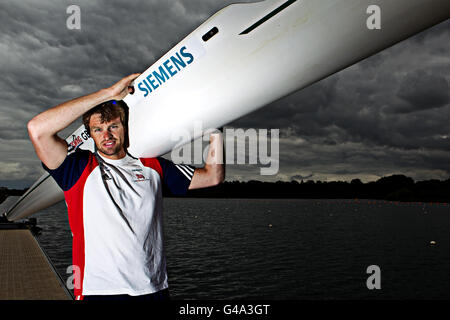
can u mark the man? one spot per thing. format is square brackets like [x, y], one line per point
[114, 200]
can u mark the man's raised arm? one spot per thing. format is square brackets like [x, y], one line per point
[213, 172]
[43, 128]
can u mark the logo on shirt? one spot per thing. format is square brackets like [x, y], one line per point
[138, 175]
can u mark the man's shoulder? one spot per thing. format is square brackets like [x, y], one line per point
[72, 168]
[71, 157]
[80, 156]
[80, 153]
[152, 163]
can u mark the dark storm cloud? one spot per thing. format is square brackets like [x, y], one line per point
[422, 90]
[387, 114]
[40, 56]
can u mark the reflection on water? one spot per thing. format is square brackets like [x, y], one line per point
[291, 249]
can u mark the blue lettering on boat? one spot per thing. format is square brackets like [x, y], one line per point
[160, 74]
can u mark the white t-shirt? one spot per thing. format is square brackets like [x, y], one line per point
[115, 214]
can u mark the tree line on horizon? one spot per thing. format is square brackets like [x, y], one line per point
[394, 188]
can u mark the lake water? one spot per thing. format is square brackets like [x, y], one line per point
[291, 249]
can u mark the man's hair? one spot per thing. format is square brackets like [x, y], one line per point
[108, 111]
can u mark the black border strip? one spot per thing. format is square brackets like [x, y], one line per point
[267, 17]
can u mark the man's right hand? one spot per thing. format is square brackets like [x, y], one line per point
[120, 89]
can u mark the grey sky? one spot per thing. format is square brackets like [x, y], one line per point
[387, 114]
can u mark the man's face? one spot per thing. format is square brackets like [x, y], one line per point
[109, 137]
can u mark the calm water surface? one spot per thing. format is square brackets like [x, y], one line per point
[291, 249]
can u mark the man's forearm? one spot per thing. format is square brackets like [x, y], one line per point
[213, 172]
[51, 121]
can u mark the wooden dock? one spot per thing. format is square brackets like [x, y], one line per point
[25, 271]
